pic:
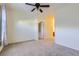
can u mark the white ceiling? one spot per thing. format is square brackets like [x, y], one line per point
[26, 9]
[54, 7]
[23, 7]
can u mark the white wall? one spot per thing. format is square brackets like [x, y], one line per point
[20, 26]
[67, 26]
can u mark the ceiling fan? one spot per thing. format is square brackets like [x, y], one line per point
[37, 6]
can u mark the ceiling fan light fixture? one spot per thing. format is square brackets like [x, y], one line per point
[37, 5]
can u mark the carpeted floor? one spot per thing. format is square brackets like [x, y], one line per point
[38, 48]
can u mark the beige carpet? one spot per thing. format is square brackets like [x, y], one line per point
[37, 48]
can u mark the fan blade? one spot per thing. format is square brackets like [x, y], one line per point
[44, 6]
[29, 4]
[41, 10]
[33, 9]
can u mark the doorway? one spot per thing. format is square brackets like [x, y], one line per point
[46, 28]
[41, 30]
